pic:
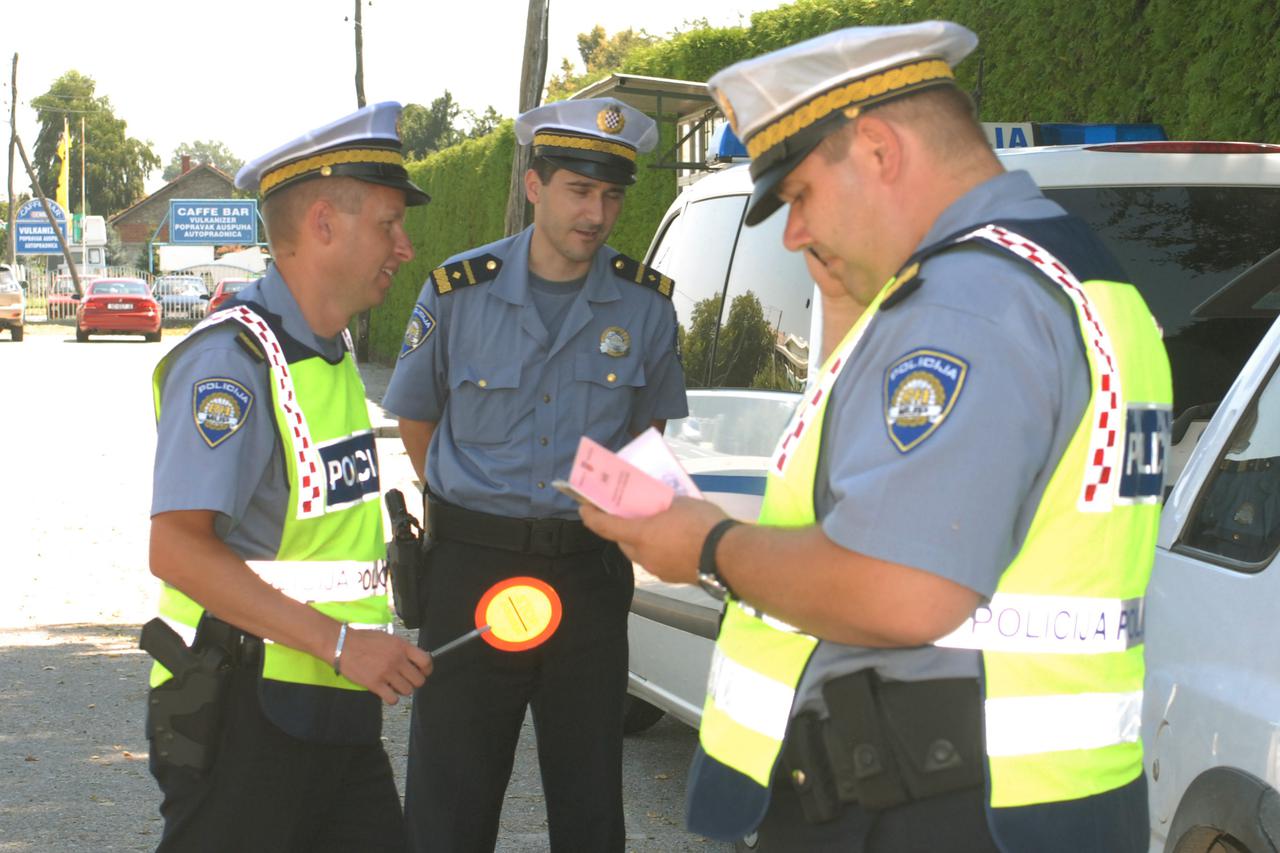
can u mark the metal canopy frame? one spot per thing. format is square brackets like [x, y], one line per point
[681, 100]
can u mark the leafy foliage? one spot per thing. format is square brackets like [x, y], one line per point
[116, 164]
[425, 130]
[211, 151]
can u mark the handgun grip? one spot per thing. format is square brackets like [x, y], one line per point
[166, 646]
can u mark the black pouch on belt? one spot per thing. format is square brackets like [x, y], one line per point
[408, 556]
[896, 741]
[805, 758]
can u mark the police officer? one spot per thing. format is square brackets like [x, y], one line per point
[266, 524]
[932, 639]
[516, 350]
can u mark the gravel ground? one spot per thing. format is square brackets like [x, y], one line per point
[73, 759]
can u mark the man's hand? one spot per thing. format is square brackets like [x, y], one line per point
[667, 544]
[383, 663]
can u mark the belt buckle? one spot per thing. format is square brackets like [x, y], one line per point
[545, 535]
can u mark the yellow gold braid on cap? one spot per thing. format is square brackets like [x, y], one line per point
[851, 95]
[585, 144]
[273, 179]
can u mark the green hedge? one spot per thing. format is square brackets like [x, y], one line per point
[1204, 69]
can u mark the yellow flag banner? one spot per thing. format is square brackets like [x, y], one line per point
[64, 171]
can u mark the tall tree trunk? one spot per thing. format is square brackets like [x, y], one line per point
[13, 138]
[533, 75]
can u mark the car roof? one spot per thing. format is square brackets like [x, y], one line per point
[1063, 166]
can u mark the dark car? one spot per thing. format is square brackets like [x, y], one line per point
[181, 296]
[118, 306]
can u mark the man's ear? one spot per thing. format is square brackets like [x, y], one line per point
[881, 144]
[532, 186]
[320, 221]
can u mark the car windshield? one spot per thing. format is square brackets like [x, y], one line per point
[64, 285]
[118, 288]
[180, 287]
[234, 286]
[1181, 245]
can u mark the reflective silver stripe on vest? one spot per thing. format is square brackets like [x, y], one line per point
[186, 632]
[1029, 725]
[772, 621]
[1050, 624]
[316, 580]
[751, 699]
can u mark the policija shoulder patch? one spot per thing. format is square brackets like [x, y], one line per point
[421, 325]
[219, 407]
[920, 389]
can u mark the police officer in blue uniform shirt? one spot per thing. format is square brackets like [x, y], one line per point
[514, 351]
[246, 537]
[903, 509]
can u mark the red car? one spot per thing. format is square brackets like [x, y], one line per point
[225, 289]
[118, 306]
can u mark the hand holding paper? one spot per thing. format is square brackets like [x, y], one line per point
[623, 483]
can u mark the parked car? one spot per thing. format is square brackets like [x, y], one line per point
[225, 289]
[1210, 726]
[62, 299]
[181, 297]
[1189, 221]
[118, 306]
[13, 303]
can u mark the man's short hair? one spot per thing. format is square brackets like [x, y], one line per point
[944, 116]
[283, 210]
[545, 169]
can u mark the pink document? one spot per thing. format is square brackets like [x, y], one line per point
[601, 477]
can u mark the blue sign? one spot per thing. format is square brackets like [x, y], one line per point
[213, 221]
[33, 232]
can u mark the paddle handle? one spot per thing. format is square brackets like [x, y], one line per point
[465, 638]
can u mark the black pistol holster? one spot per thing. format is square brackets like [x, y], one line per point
[408, 558]
[184, 715]
[885, 743]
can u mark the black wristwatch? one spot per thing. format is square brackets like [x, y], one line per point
[708, 575]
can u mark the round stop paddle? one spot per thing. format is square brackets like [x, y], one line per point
[514, 615]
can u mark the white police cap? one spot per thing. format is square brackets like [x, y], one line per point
[364, 145]
[596, 137]
[783, 103]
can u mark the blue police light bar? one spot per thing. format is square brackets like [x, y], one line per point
[1088, 134]
[725, 145]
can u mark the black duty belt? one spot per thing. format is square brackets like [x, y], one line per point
[546, 537]
[242, 648]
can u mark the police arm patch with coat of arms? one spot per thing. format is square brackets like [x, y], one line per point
[920, 390]
[219, 406]
[421, 325]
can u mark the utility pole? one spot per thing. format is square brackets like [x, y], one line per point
[533, 75]
[359, 58]
[13, 138]
[48, 212]
[363, 319]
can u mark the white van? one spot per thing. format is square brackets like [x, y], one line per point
[1194, 224]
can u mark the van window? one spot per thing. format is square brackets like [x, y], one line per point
[1238, 513]
[1180, 245]
[695, 251]
[764, 342]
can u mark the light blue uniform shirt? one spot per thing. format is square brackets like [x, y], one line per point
[959, 503]
[242, 479]
[510, 403]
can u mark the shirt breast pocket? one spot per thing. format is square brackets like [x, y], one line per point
[484, 402]
[610, 387]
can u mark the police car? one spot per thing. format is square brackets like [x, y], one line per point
[1195, 225]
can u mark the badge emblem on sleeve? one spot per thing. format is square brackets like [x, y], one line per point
[219, 408]
[920, 390]
[421, 325]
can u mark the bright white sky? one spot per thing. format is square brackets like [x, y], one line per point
[255, 73]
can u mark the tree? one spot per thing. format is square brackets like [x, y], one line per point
[601, 52]
[212, 152]
[427, 129]
[116, 164]
[485, 124]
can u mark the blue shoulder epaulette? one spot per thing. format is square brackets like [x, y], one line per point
[633, 270]
[465, 273]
